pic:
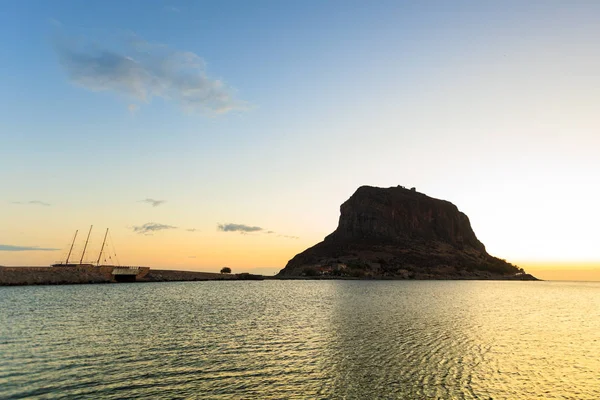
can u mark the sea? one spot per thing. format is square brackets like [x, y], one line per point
[301, 340]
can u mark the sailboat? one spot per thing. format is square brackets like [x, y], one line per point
[81, 263]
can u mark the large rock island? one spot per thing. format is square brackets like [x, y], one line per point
[397, 233]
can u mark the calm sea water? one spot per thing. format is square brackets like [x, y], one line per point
[302, 339]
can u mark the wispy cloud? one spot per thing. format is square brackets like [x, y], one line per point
[151, 227]
[133, 108]
[142, 70]
[152, 202]
[8, 247]
[172, 9]
[288, 236]
[33, 203]
[192, 230]
[246, 229]
[238, 228]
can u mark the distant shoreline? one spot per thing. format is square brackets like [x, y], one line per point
[525, 277]
[73, 275]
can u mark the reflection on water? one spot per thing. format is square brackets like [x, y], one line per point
[302, 339]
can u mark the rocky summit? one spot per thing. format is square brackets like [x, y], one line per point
[399, 233]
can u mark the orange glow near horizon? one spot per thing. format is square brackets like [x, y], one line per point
[200, 251]
[563, 271]
[257, 253]
[208, 249]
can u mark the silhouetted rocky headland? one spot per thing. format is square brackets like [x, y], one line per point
[399, 233]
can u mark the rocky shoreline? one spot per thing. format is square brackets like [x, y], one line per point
[518, 277]
[25, 276]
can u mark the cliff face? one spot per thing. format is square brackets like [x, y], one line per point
[397, 214]
[400, 233]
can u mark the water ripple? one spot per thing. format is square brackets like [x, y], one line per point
[273, 340]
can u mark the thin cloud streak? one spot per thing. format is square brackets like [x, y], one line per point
[143, 70]
[33, 203]
[238, 228]
[247, 229]
[153, 202]
[8, 247]
[288, 237]
[151, 227]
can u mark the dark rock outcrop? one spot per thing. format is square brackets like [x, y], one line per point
[399, 233]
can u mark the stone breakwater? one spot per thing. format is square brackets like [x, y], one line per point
[15, 276]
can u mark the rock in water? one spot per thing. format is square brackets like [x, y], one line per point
[402, 234]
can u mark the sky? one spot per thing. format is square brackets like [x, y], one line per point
[225, 133]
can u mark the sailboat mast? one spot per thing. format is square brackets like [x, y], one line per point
[86, 242]
[71, 249]
[102, 248]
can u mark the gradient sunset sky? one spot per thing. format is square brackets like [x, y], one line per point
[228, 133]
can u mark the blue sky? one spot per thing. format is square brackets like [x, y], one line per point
[270, 114]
